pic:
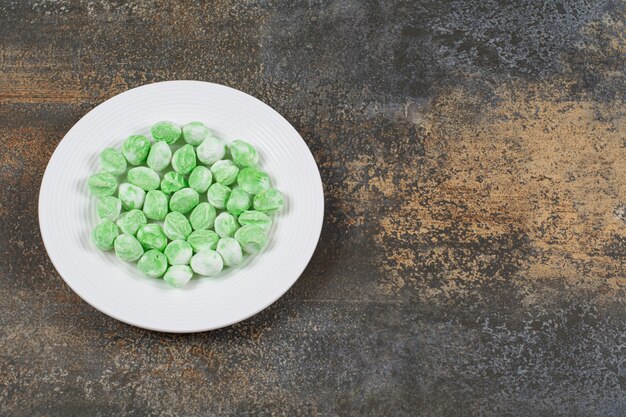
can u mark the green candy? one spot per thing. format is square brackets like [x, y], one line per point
[244, 154]
[160, 156]
[165, 131]
[172, 182]
[132, 197]
[203, 240]
[183, 201]
[112, 161]
[127, 248]
[145, 178]
[195, 133]
[130, 221]
[135, 149]
[211, 150]
[200, 179]
[251, 238]
[208, 263]
[238, 202]
[102, 184]
[255, 218]
[151, 236]
[218, 195]
[155, 205]
[226, 224]
[253, 180]
[178, 275]
[225, 172]
[153, 263]
[176, 226]
[230, 251]
[269, 201]
[104, 235]
[202, 217]
[184, 160]
[178, 252]
[109, 208]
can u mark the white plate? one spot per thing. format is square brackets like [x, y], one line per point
[116, 288]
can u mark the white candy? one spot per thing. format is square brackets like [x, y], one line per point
[132, 197]
[207, 263]
[211, 150]
[230, 251]
[178, 252]
[178, 275]
[195, 133]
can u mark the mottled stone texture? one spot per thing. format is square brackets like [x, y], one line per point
[473, 255]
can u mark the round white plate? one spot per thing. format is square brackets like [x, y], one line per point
[116, 288]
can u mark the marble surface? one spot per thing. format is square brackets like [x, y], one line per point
[473, 255]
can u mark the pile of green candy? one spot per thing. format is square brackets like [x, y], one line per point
[201, 216]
